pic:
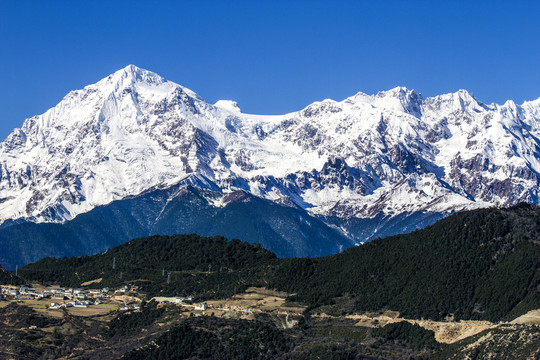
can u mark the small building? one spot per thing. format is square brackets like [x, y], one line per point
[80, 295]
[55, 305]
[27, 290]
[7, 288]
[202, 306]
[183, 300]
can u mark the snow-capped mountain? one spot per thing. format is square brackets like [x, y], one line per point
[366, 157]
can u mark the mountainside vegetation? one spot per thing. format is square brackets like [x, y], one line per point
[182, 265]
[481, 264]
[217, 339]
[7, 277]
[413, 335]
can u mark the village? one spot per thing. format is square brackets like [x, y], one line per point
[59, 297]
[101, 301]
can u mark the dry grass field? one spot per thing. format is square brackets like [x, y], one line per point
[257, 300]
[42, 307]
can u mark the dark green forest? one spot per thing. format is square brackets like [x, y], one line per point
[125, 323]
[181, 265]
[414, 336]
[481, 264]
[213, 338]
[7, 277]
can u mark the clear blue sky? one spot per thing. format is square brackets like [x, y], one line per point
[271, 56]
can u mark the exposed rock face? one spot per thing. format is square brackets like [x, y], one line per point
[369, 156]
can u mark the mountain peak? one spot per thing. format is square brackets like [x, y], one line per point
[133, 74]
[398, 91]
[133, 68]
[399, 99]
[465, 94]
[461, 100]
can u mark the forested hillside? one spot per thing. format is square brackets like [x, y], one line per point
[7, 277]
[172, 265]
[481, 264]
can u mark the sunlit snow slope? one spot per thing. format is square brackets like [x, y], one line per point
[366, 157]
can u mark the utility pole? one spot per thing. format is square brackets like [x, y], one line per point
[209, 268]
[16, 270]
[114, 263]
[168, 277]
[163, 272]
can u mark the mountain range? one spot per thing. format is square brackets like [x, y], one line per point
[136, 154]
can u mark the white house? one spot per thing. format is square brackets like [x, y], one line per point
[202, 306]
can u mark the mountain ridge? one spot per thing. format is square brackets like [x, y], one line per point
[181, 209]
[367, 157]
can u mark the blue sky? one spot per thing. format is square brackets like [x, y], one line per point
[271, 56]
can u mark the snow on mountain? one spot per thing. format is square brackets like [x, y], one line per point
[390, 153]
